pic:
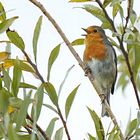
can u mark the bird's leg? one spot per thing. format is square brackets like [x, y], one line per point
[87, 70]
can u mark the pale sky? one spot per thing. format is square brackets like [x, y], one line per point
[71, 20]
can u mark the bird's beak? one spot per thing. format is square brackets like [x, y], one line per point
[85, 31]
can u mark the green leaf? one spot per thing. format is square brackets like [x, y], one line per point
[133, 17]
[6, 78]
[137, 133]
[36, 109]
[4, 102]
[116, 8]
[91, 137]
[2, 13]
[98, 124]
[80, 0]
[36, 36]
[16, 78]
[62, 84]
[51, 108]
[69, 101]
[76, 42]
[16, 39]
[24, 65]
[52, 59]
[50, 127]
[131, 127]
[22, 112]
[97, 12]
[4, 25]
[51, 93]
[59, 134]
[26, 85]
[106, 3]
[12, 133]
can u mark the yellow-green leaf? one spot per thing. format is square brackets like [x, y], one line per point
[16, 39]
[2, 13]
[76, 42]
[51, 93]
[50, 127]
[98, 124]
[69, 101]
[4, 25]
[16, 78]
[38, 100]
[36, 36]
[4, 55]
[80, 0]
[52, 59]
[24, 65]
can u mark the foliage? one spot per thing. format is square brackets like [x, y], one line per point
[22, 114]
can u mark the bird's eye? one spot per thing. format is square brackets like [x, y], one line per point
[95, 30]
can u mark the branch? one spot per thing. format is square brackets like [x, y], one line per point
[58, 108]
[125, 54]
[38, 128]
[67, 42]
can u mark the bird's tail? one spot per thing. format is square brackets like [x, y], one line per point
[104, 112]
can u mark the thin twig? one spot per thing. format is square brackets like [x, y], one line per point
[34, 66]
[38, 128]
[121, 44]
[91, 78]
[64, 123]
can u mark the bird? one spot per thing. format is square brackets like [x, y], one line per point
[100, 59]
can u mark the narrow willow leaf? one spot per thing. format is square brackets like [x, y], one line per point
[51, 93]
[59, 134]
[4, 55]
[69, 101]
[22, 112]
[131, 127]
[36, 109]
[36, 36]
[50, 127]
[16, 78]
[98, 124]
[16, 39]
[97, 12]
[52, 59]
[4, 25]
[79, 41]
[24, 65]
[133, 17]
[4, 100]
[91, 137]
[62, 84]
[106, 3]
[116, 8]
[80, 0]
[26, 85]
[2, 13]
[51, 108]
[12, 135]
[7, 80]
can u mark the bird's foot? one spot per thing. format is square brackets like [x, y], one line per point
[102, 97]
[87, 70]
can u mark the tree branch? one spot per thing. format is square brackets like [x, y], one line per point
[67, 42]
[125, 54]
[38, 128]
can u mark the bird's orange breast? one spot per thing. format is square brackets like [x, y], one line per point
[95, 48]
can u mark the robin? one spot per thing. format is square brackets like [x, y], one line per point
[100, 57]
